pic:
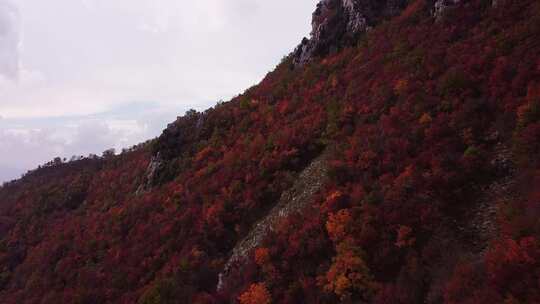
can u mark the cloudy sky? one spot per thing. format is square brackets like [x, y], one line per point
[81, 76]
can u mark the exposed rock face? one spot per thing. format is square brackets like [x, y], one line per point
[357, 22]
[177, 140]
[503, 189]
[310, 180]
[153, 167]
[476, 227]
[441, 6]
[337, 23]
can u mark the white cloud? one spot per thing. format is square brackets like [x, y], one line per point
[9, 40]
[27, 143]
[96, 54]
[63, 62]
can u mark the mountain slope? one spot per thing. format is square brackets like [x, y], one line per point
[420, 204]
[294, 200]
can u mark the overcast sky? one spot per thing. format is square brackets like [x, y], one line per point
[81, 76]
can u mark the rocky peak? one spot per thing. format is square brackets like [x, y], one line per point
[337, 23]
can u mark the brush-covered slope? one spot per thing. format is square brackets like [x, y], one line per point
[428, 117]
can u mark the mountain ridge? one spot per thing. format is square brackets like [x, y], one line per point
[430, 196]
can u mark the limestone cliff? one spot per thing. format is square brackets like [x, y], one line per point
[337, 23]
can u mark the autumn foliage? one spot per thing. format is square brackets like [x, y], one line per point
[256, 294]
[432, 193]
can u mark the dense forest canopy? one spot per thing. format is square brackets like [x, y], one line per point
[423, 130]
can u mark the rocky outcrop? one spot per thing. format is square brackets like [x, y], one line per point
[483, 224]
[467, 235]
[476, 226]
[156, 162]
[179, 136]
[337, 23]
[178, 141]
[298, 197]
[357, 22]
[441, 6]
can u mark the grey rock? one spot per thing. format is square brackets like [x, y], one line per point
[296, 199]
[441, 6]
[337, 23]
[156, 162]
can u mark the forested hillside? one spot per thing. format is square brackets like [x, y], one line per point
[392, 158]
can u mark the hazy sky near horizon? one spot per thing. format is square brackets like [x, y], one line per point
[81, 76]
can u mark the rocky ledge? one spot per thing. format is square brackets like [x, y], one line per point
[337, 23]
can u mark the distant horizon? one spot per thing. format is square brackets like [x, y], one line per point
[70, 87]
